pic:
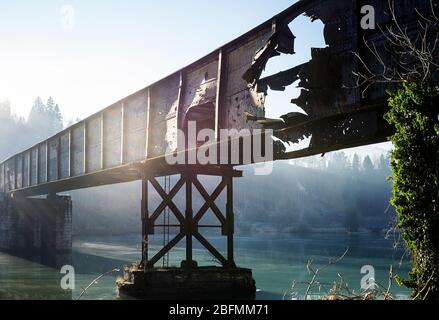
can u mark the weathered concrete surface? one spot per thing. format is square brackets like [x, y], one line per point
[36, 225]
[209, 283]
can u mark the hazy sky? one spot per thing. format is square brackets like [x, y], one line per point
[88, 54]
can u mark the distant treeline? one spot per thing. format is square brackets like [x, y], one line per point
[331, 194]
[18, 133]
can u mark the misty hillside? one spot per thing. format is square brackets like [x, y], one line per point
[305, 199]
[292, 199]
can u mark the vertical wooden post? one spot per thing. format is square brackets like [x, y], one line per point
[181, 118]
[85, 148]
[15, 172]
[102, 141]
[70, 153]
[145, 219]
[58, 159]
[219, 110]
[22, 170]
[230, 223]
[148, 120]
[180, 101]
[37, 164]
[29, 164]
[5, 179]
[122, 135]
[3, 187]
[189, 218]
[47, 161]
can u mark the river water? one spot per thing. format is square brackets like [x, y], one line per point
[277, 261]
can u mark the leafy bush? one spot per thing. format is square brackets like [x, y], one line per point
[415, 166]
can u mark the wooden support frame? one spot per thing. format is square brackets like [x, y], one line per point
[15, 173]
[85, 150]
[189, 217]
[29, 165]
[167, 200]
[148, 122]
[3, 185]
[103, 146]
[71, 159]
[145, 219]
[189, 224]
[58, 158]
[220, 112]
[22, 170]
[210, 202]
[37, 164]
[122, 134]
[47, 161]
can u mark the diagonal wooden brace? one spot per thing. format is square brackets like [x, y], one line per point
[210, 203]
[211, 248]
[165, 250]
[167, 200]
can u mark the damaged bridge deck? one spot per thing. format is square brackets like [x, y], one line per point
[223, 90]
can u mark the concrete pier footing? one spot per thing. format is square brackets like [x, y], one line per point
[35, 225]
[209, 283]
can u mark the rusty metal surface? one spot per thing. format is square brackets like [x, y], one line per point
[223, 90]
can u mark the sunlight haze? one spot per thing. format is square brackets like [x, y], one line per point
[89, 54]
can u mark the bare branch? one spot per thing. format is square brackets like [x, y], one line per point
[317, 271]
[413, 57]
[95, 281]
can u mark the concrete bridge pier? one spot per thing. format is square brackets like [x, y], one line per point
[32, 227]
[189, 281]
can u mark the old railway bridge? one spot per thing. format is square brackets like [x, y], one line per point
[130, 139]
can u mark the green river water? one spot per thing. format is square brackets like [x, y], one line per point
[277, 260]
